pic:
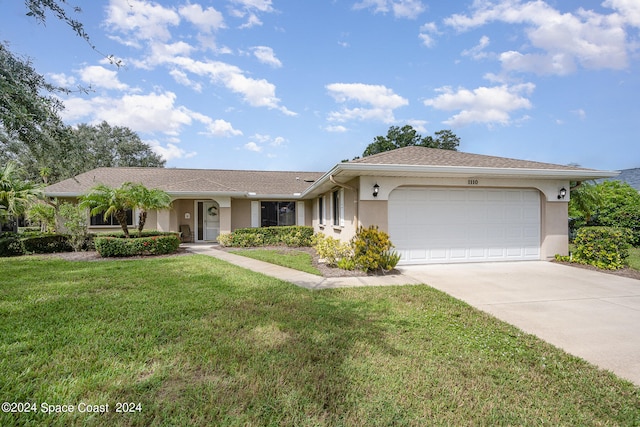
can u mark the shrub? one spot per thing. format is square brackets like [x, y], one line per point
[372, 250]
[268, 236]
[115, 246]
[10, 245]
[46, 244]
[603, 247]
[75, 221]
[332, 250]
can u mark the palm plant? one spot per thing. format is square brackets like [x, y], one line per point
[106, 200]
[145, 199]
[16, 194]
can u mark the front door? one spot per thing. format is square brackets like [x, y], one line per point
[208, 221]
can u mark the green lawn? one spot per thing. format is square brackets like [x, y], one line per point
[297, 260]
[634, 258]
[197, 341]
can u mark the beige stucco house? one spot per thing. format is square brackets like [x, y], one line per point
[438, 206]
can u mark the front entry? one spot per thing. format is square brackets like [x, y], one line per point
[208, 221]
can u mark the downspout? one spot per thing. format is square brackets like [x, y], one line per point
[355, 190]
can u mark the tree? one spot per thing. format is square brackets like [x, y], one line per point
[108, 201]
[111, 146]
[145, 199]
[31, 131]
[620, 207]
[407, 136]
[585, 201]
[15, 193]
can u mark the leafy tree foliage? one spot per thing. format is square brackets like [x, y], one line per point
[108, 201]
[146, 199]
[407, 136]
[110, 146]
[33, 134]
[609, 203]
[15, 192]
[30, 128]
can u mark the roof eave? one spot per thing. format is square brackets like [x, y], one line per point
[458, 171]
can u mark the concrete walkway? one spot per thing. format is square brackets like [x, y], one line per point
[592, 315]
[300, 278]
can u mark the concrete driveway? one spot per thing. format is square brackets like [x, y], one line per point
[592, 315]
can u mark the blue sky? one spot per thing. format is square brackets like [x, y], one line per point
[301, 85]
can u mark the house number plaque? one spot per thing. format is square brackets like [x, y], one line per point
[472, 182]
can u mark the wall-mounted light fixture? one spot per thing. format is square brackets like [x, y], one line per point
[376, 189]
[562, 193]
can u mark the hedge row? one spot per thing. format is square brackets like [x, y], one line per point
[294, 235]
[12, 244]
[155, 244]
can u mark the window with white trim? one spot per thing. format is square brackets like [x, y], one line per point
[338, 207]
[321, 210]
[277, 213]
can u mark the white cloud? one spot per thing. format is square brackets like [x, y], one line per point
[380, 99]
[206, 20]
[418, 125]
[401, 8]
[489, 105]
[101, 77]
[336, 129]
[266, 56]
[629, 10]
[252, 146]
[170, 152]
[580, 113]
[183, 79]
[219, 127]
[563, 40]
[62, 80]
[478, 51]
[141, 19]
[259, 5]
[426, 32]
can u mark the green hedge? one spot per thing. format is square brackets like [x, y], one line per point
[12, 244]
[156, 244]
[603, 247]
[46, 244]
[294, 235]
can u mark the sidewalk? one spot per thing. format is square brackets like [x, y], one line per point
[300, 278]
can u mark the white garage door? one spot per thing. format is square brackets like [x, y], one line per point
[444, 225]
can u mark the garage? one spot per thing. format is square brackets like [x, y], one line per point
[448, 225]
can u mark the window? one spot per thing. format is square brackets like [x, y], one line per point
[277, 213]
[338, 207]
[98, 220]
[321, 210]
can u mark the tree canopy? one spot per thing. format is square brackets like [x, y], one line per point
[407, 136]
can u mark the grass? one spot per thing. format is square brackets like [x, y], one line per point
[297, 260]
[197, 341]
[634, 258]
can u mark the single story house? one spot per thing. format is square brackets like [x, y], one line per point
[438, 206]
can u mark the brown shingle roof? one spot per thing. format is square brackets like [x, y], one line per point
[175, 181]
[423, 156]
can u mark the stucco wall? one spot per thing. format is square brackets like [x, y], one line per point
[554, 230]
[241, 217]
[351, 205]
[375, 212]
